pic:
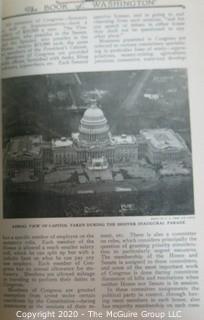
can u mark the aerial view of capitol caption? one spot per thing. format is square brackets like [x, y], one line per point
[97, 144]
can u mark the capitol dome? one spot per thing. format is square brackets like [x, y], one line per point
[93, 127]
[93, 113]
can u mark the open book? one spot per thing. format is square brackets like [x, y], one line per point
[102, 166]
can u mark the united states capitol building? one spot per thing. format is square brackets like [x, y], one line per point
[93, 144]
[94, 147]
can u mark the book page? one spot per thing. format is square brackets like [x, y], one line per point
[102, 213]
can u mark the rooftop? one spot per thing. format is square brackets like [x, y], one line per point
[25, 147]
[62, 142]
[123, 139]
[164, 139]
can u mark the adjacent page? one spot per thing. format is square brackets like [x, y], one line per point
[102, 204]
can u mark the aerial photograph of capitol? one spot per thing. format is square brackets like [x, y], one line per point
[97, 144]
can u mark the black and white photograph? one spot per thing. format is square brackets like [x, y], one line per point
[114, 143]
